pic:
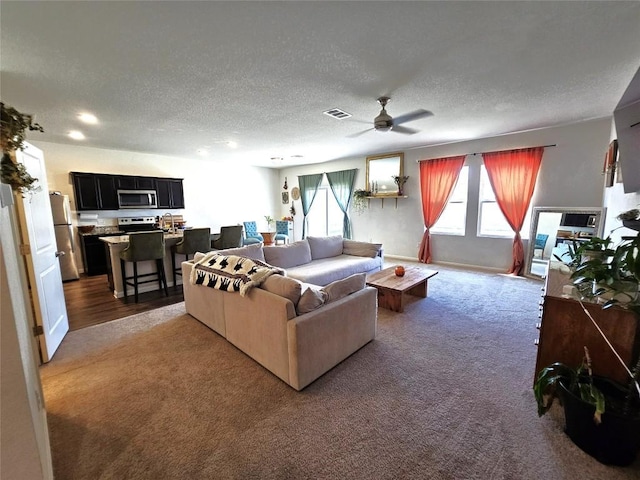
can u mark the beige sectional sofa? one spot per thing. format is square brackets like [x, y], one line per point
[296, 330]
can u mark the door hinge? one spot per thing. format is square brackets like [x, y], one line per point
[25, 249]
[38, 330]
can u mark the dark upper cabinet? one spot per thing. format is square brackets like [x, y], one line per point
[86, 191]
[128, 182]
[107, 191]
[96, 191]
[170, 193]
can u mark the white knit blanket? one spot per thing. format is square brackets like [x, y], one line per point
[230, 273]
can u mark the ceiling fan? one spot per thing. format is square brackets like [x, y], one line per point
[385, 122]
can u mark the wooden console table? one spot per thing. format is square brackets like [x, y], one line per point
[565, 329]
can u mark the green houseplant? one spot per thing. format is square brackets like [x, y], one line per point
[602, 416]
[13, 126]
[359, 200]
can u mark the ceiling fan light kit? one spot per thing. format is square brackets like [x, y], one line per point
[385, 122]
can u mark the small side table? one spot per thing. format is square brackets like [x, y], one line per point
[268, 237]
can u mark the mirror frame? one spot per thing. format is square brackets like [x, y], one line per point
[369, 178]
[535, 217]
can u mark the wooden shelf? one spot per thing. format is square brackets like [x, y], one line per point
[382, 197]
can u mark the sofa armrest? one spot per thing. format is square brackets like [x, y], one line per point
[257, 325]
[321, 339]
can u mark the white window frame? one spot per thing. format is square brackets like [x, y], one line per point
[459, 197]
[324, 196]
[500, 229]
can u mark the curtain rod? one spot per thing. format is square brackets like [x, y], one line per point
[480, 153]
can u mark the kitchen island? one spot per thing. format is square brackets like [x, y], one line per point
[116, 244]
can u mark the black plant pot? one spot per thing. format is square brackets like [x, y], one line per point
[615, 441]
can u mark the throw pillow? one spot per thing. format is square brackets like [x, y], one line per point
[361, 249]
[310, 300]
[325, 247]
[341, 288]
[283, 286]
[287, 256]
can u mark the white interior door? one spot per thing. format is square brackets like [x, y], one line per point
[41, 255]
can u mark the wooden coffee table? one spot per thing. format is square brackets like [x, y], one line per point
[392, 290]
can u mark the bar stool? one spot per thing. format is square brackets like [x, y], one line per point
[193, 240]
[144, 246]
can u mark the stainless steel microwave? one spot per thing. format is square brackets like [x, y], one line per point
[137, 199]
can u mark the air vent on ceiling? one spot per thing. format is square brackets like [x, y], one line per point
[337, 113]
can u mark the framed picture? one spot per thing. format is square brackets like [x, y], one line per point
[285, 197]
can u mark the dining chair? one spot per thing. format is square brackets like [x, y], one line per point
[251, 234]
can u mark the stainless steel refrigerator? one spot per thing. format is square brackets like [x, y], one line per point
[64, 236]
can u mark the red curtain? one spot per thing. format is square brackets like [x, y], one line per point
[437, 179]
[513, 177]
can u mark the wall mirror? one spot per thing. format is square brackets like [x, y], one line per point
[380, 170]
[553, 231]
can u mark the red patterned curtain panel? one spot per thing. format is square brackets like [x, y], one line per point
[437, 179]
[513, 175]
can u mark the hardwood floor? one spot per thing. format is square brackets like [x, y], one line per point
[90, 301]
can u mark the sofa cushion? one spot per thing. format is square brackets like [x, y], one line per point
[311, 299]
[341, 288]
[284, 287]
[361, 249]
[325, 247]
[286, 256]
[327, 270]
[254, 252]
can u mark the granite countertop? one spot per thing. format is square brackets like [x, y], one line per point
[97, 231]
[121, 239]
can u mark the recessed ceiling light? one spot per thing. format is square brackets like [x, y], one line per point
[76, 135]
[89, 118]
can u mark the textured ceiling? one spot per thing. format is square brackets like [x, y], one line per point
[170, 78]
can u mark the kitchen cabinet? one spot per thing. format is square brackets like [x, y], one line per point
[128, 182]
[99, 191]
[170, 193]
[107, 191]
[86, 191]
[94, 254]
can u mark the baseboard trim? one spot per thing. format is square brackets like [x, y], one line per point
[465, 266]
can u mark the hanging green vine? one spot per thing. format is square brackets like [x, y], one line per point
[13, 126]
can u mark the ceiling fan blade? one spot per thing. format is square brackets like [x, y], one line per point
[410, 117]
[405, 130]
[354, 135]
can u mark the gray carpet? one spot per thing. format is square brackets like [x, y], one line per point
[444, 392]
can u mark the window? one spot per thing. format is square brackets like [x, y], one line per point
[491, 221]
[325, 217]
[454, 217]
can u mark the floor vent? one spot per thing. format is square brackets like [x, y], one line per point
[337, 113]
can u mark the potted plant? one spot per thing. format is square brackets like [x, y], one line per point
[13, 126]
[602, 416]
[400, 180]
[359, 200]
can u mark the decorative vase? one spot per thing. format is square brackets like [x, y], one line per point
[399, 271]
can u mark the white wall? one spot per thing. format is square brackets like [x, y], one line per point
[570, 176]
